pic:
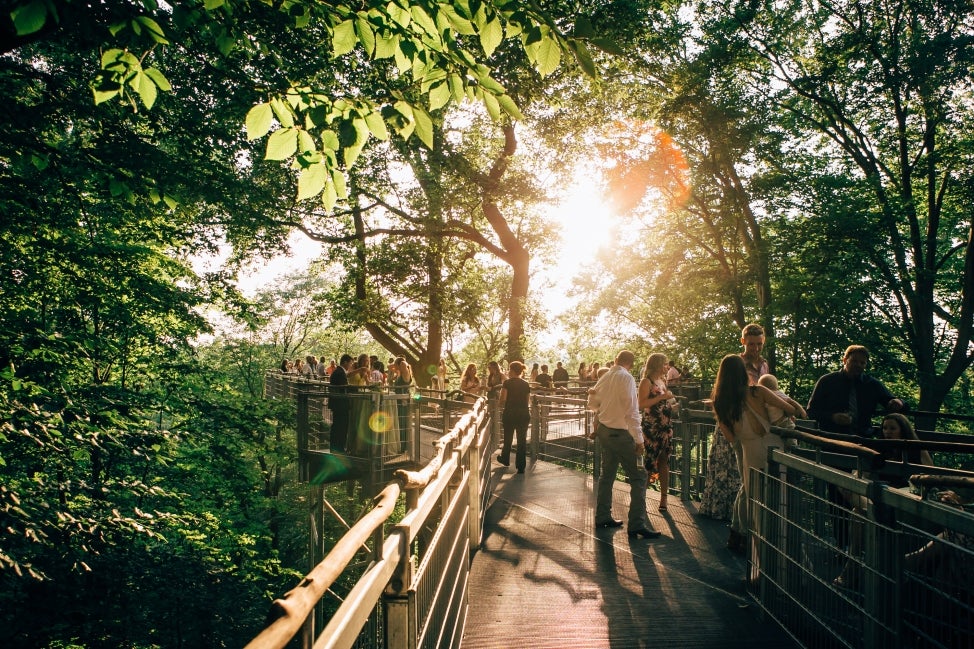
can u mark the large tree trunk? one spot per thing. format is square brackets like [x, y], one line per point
[515, 254]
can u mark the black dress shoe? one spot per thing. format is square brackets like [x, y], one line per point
[646, 534]
[500, 460]
[609, 523]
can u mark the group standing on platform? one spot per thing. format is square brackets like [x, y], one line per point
[634, 427]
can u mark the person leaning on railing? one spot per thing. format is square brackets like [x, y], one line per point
[845, 401]
[894, 426]
[742, 415]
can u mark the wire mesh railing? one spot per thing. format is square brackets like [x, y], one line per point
[411, 585]
[840, 559]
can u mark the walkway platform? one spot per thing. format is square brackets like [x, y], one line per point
[545, 578]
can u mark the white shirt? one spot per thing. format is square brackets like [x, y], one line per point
[615, 400]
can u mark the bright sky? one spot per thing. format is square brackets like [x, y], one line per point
[586, 226]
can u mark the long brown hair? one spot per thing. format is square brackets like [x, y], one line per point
[730, 390]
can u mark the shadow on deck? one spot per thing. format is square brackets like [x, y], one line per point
[544, 577]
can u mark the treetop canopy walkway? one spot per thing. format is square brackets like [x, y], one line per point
[484, 557]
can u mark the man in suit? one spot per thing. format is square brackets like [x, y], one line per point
[560, 376]
[339, 405]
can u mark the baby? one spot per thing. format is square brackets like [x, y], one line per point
[777, 415]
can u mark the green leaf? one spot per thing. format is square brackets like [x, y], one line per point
[282, 144]
[583, 28]
[548, 56]
[259, 121]
[456, 87]
[386, 46]
[226, 44]
[350, 154]
[460, 24]
[424, 126]
[607, 45]
[282, 112]
[118, 188]
[399, 14]
[510, 107]
[404, 122]
[159, 79]
[439, 95]
[105, 86]
[118, 60]
[491, 36]
[329, 140]
[306, 143]
[29, 18]
[145, 88]
[311, 181]
[488, 83]
[493, 107]
[338, 179]
[421, 17]
[365, 35]
[377, 126]
[343, 38]
[155, 31]
[584, 58]
[329, 197]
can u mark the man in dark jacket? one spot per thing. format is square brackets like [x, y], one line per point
[339, 405]
[845, 401]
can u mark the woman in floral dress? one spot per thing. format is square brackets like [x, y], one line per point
[723, 480]
[656, 405]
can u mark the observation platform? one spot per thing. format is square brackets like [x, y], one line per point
[544, 577]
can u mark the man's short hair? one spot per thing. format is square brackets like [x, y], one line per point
[752, 329]
[855, 349]
[625, 357]
[345, 359]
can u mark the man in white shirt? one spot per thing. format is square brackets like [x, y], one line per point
[620, 438]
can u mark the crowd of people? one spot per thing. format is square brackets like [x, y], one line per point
[746, 401]
[634, 412]
[633, 427]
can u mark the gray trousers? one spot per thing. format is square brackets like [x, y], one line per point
[618, 448]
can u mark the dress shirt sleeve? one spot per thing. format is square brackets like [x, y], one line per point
[633, 419]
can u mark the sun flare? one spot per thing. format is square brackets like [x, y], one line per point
[585, 223]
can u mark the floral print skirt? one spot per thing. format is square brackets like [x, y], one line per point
[723, 480]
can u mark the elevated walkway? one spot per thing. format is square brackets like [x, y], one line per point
[545, 578]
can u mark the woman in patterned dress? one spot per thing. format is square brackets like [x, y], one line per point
[656, 405]
[723, 480]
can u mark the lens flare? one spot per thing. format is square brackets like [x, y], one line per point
[380, 422]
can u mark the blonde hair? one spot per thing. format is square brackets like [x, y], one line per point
[654, 365]
[769, 381]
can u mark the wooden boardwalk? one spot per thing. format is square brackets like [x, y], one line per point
[544, 577]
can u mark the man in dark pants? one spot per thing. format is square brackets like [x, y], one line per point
[339, 405]
[621, 441]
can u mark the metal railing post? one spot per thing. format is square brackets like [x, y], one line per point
[303, 429]
[535, 444]
[472, 467]
[399, 603]
[685, 457]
